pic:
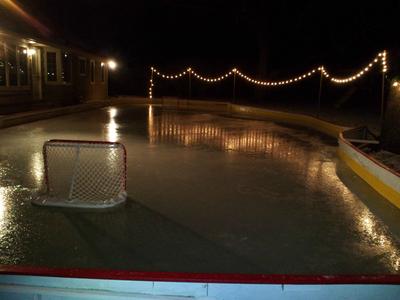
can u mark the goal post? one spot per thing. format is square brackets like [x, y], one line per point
[87, 174]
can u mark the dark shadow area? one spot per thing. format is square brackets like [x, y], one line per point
[134, 237]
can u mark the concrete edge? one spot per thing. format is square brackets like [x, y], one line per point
[378, 176]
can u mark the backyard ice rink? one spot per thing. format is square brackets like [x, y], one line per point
[206, 193]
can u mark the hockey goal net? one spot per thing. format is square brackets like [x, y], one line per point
[84, 174]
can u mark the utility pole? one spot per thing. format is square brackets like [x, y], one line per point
[382, 99]
[190, 83]
[234, 85]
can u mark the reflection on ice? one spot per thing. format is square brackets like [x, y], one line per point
[37, 168]
[3, 194]
[112, 126]
[172, 128]
[267, 194]
[368, 225]
[279, 144]
[6, 195]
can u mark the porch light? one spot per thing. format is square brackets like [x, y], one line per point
[112, 64]
[30, 51]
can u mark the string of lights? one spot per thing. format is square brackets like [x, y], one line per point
[381, 57]
[170, 76]
[282, 82]
[151, 88]
[211, 79]
[151, 84]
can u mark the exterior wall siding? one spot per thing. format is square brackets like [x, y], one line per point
[78, 90]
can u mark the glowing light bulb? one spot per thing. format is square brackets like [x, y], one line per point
[30, 51]
[112, 64]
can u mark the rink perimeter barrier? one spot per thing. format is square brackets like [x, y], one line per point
[381, 178]
[45, 283]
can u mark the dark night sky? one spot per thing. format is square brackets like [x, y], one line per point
[264, 38]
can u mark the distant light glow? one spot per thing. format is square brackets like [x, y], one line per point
[112, 64]
[113, 112]
[30, 52]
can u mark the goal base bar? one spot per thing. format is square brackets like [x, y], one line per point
[46, 200]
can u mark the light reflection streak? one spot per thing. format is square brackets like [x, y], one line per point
[3, 210]
[169, 128]
[37, 168]
[368, 226]
[150, 122]
[112, 126]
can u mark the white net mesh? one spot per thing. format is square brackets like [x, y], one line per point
[84, 174]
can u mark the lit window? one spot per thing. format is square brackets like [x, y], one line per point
[51, 58]
[23, 66]
[66, 67]
[12, 65]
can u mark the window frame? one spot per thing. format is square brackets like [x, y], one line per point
[8, 64]
[28, 68]
[47, 81]
[59, 80]
[3, 45]
[62, 53]
[80, 59]
[18, 87]
[92, 72]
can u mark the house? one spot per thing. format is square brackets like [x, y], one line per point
[35, 72]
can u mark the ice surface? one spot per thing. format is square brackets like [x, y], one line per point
[207, 193]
